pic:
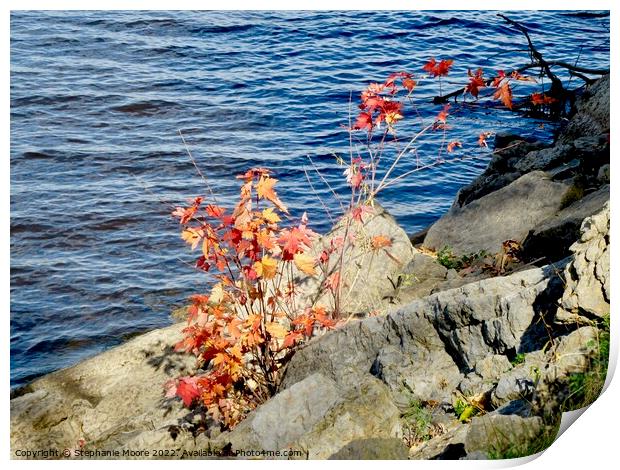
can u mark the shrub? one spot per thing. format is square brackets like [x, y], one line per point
[244, 332]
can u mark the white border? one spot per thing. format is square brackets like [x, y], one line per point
[590, 443]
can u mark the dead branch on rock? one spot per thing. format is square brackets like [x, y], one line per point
[557, 89]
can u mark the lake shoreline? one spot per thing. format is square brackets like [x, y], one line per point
[483, 330]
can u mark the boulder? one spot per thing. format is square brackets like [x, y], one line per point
[587, 292]
[419, 278]
[106, 400]
[285, 418]
[402, 345]
[500, 315]
[506, 214]
[366, 411]
[492, 366]
[500, 171]
[373, 449]
[368, 274]
[504, 436]
[552, 238]
[592, 113]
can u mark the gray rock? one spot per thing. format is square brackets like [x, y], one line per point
[287, 416]
[420, 277]
[400, 348]
[603, 174]
[507, 214]
[106, 400]
[366, 412]
[493, 316]
[373, 449]
[499, 173]
[517, 384]
[552, 238]
[587, 276]
[447, 446]
[520, 382]
[368, 274]
[544, 158]
[492, 366]
[499, 435]
[572, 354]
[592, 113]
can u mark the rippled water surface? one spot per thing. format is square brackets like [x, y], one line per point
[97, 103]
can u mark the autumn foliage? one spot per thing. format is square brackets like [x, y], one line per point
[244, 331]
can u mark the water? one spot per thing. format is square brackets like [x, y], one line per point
[97, 102]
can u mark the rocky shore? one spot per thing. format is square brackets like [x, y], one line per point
[475, 354]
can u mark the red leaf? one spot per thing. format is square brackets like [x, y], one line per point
[443, 115]
[452, 145]
[438, 69]
[364, 120]
[187, 390]
[539, 99]
[475, 82]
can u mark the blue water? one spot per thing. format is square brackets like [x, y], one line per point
[97, 102]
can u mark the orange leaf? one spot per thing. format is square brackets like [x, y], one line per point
[380, 241]
[292, 338]
[305, 263]
[264, 188]
[276, 330]
[409, 84]
[504, 94]
[192, 237]
[538, 99]
[270, 216]
[266, 268]
[451, 146]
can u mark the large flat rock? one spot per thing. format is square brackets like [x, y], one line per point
[506, 214]
[105, 400]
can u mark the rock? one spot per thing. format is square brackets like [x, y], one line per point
[506, 214]
[492, 366]
[368, 274]
[106, 400]
[493, 316]
[373, 449]
[552, 238]
[520, 382]
[447, 446]
[366, 412]
[572, 353]
[286, 417]
[504, 139]
[419, 278]
[603, 174]
[565, 170]
[501, 436]
[592, 113]
[499, 173]
[400, 348]
[545, 158]
[417, 374]
[587, 275]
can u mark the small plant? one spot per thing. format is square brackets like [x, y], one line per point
[510, 447]
[518, 359]
[247, 328]
[418, 425]
[449, 260]
[245, 331]
[585, 387]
